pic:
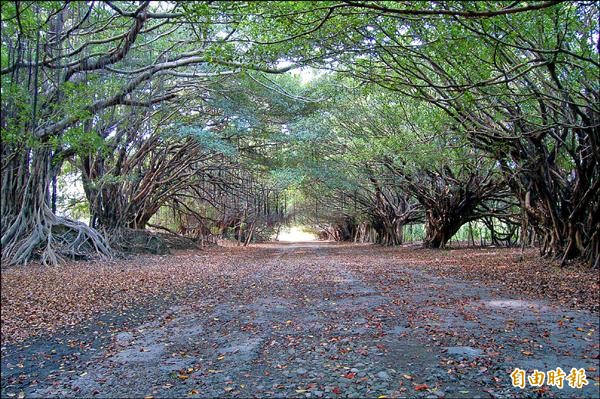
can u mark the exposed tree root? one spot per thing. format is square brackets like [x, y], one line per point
[50, 238]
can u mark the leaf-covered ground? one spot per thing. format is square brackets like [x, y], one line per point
[302, 320]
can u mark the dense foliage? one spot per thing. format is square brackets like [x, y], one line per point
[230, 118]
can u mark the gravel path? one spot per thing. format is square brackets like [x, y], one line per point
[314, 320]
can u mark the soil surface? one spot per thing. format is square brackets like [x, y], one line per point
[310, 320]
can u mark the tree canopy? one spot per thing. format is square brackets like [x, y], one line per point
[363, 117]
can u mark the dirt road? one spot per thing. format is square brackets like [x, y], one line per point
[314, 320]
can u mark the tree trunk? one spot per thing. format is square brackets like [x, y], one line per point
[36, 232]
[439, 229]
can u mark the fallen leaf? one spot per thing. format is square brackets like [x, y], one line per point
[421, 387]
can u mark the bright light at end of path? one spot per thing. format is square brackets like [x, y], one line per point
[295, 234]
